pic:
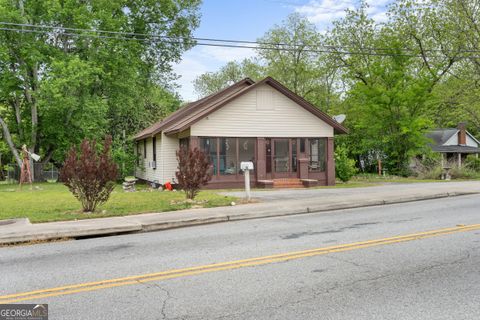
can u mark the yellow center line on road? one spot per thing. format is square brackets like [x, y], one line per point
[236, 264]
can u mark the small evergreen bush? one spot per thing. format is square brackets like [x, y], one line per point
[344, 166]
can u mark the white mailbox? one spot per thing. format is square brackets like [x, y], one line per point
[246, 165]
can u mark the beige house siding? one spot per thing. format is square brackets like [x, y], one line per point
[147, 172]
[166, 160]
[141, 169]
[169, 164]
[263, 112]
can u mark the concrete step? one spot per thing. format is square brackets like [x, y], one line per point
[287, 183]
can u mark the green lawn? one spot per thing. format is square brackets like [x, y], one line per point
[53, 202]
[375, 178]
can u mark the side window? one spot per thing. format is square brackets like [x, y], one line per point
[138, 152]
[154, 149]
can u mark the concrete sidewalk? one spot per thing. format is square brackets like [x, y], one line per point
[294, 202]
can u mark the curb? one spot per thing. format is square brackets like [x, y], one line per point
[134, 224]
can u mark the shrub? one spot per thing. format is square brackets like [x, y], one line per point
[193, 170]
[344, 166]
[463, 172]
[473, 163]
[90, 175]
[428, 166]
[433, 173]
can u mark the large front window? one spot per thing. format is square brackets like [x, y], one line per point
[318, 151]
[230, 153]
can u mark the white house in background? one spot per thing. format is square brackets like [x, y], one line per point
[454, 144]
[289, 140]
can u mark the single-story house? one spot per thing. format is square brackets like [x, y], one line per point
[288, 139]
[454, 144]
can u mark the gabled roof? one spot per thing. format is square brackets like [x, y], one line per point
[440, 136]
[185, 117]
[191, 108]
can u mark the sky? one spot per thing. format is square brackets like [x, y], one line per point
[249, 20]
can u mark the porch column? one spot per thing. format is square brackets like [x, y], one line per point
[194, 143]
[261, 168]
[330, 163]
[459, 160]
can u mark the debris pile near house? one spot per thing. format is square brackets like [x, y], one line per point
[129, 184]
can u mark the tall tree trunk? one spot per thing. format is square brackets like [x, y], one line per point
[8, 139]
[18, 116]
[34, 77]
[1, 166]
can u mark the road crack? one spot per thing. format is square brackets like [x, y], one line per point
[168, 296]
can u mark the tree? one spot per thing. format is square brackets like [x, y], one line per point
[193, 170]
[291, 54]
[287, 53]
[390, 80]
[232, 72]
[89, 175]
[60, 85]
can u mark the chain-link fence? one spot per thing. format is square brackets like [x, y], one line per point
[40, 173]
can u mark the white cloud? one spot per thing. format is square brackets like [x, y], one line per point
[189, 69]
[224, 54]
[324, 12]
[204, 59]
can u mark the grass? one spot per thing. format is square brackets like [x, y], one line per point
[53, 202]
[375, 178]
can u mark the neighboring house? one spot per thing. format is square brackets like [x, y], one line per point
[285, 136]
[454, 144]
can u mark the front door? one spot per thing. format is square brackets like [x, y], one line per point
[284, 156]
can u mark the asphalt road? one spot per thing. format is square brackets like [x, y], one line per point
[434, 277]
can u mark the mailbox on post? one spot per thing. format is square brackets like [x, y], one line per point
[246, 166]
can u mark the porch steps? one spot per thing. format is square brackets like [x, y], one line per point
[287, 183]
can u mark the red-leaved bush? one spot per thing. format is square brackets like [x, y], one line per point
[90, 175]
[193, 170]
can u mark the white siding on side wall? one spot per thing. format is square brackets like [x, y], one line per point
[166, 160]
[250, 116]
[170, 146]
[140, 170]
[149, 173]
[471, 142]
